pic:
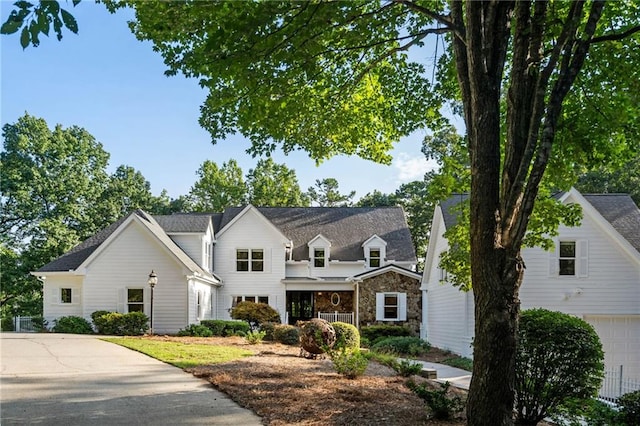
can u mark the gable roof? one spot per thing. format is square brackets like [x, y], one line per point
[385, 269]
[181, 222]
[346, 227]
[617, 209]
[77, 256]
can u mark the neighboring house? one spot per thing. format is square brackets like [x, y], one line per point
[348, 264]
[593, 273]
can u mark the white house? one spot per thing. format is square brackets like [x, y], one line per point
[594, 273]
[350, 264]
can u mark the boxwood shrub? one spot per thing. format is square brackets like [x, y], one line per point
[286, 334]
[225, 328]
[117, 324]
[408, 346]
[347, 336]
[374, 333]
[73, 325]
[196, 330]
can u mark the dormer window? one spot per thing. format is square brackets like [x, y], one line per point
[375, 252]
[374, 258]
[319, 251]
[319, 259]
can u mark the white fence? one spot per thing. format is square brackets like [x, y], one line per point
[615, 384]
[24, 324]
[337, 316]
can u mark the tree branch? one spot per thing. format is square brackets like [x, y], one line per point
[615, 36]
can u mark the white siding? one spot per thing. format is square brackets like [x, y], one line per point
[52, 308]
[126, 263]
[250, 232]
[192, 245]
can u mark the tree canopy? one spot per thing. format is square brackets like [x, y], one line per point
[325, 193]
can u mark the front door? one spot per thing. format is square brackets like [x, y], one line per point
[299, 306]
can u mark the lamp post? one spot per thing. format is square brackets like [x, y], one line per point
[153, 280]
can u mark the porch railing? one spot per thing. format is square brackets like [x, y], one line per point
[337, 316]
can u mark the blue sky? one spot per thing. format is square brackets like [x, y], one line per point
[114, 86]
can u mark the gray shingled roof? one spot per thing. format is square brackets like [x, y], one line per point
[621, 212]
[184, 222]
[346, 227]
[618, 209]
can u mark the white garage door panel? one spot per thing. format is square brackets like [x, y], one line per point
[620, 337]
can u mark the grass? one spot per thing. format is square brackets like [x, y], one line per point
[180, 354]
[459, 362]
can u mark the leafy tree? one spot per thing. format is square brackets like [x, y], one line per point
[325, 193]
[126, 190]
[625, 179]
[274, 185]
[335, 78]
[377, 199]
[218, 188]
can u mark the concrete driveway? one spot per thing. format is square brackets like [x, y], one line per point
[63, 379]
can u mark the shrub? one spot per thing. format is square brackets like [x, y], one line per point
[375, 333]
[389, 360]
[580, 412]
[97, 314]
[441, 405]
[351, 364]
[459, 362]
[224, 328]
[268, 328]
[255, 313]
[558, 357]
[364, 342]
[407, 368]
[286, 334]
[629, 404]
[73, 325]
[347, 336]
[117, 324]
[196, 330]
[255, 337]
[408, 346]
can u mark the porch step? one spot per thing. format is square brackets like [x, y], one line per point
[429, 373]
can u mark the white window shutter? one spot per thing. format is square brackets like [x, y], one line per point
[55, 295]
[267, 260]
[146, 298]
[75, 296]
[379, 306]
[583, 253]
[122, 300]
[402, 306]
[554, 260]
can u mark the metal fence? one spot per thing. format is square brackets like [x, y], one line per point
[24, 324]
[337, 316]
[615, 384]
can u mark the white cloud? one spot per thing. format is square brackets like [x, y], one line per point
[412, 168]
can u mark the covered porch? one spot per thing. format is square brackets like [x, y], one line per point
[332, 306]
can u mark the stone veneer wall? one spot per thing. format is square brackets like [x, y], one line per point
[391, 282]
[323, 302]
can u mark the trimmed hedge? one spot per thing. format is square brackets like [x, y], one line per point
[73, 325]
[224, 328]
[412, 346]
[117, 324]
[196, 330]
[347, 336]
[375, 333]
[286, 334]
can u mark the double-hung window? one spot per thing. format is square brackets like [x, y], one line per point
[249, 260]
[255, 299]
[65, 295]
[374, 258]
[319, 258]
[135, 300]
[567, 259]
[391, 306]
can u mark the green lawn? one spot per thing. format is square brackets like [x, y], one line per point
[180, 354]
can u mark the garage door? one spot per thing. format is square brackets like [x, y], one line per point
[620, 336]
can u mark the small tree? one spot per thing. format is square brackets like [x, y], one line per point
[558, 357]
[255, 313]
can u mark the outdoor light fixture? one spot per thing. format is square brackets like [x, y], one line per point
[153, 280]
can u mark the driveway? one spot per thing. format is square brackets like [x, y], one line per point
[63, 379]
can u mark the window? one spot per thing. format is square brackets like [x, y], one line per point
[255, 299]
[199, 304]
[567, 265]
[391, 306]
[318, 258]
[65, 295]
[135, 300]
[374, 258]
[250, 260]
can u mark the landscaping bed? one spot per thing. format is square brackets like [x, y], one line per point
[287, 389]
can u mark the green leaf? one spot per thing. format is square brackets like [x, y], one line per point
[12, 24]
[75, 2]
[25, 38]
[43, 23]
[69, 21]
[23, 4]
[34, 29]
